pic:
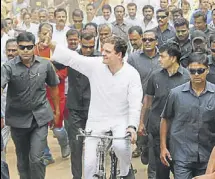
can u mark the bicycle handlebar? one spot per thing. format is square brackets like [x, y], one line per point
[85, 134]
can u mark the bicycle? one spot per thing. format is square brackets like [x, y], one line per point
[103, 148]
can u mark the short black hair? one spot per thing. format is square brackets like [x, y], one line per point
[43, 10]
[119, 6]
[105, 25]
[78, 13]
[60, 10]
[148, 7]
[72, 32]
[177, 10]
[44, 24]
[151, 31]
[120, 45]
[163, 10]
[34, 10]
[25, 37]
[173, 50]
[131, 4]
[92, 24]
[10, 41]
[136, 28]
[200, 14]
[91, 4]
[181, 22]
[107, 6]
[200, 58]
[9, 19]
[87, 35]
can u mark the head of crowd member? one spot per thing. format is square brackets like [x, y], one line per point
[44, 29]
[150, 42]
[90, 10]
[199, 41]
[106, 11]
[3, 27]
[198, 66]
[148, 12]
[60, 15]
[43, 15]
[185, 6]
[114, 50]
[26, 45]
[204, 5]
[73, 39]
[51, 14]
[132, 10]
[9, 23]
[34, 16]
[11, 48]
[163, 4]
[162, 17]
[176, 13]
[77, 17]
[200, 20]
[22, 12]
[182, 29]
[212, 46]
[119, 12]
[135, 34]
[170, 55]
[87, 43]
[92, 28]
[27, 19]
[105, 31]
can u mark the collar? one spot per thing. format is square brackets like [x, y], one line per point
[116, 24]
[211, 61]
[142, 53]
[169, 27]
[180, 70]
[18, 60]
[208, 88]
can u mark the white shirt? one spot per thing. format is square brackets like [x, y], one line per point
[4, 39]
[133, 22]
[152, 24]
[101, 20]
[113, 97]
[33, 29]
[60, 36]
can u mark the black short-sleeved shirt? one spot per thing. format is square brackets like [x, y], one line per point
[144, 65]
[159, 86]
[192, 130]
[26, 93]
[211, 74]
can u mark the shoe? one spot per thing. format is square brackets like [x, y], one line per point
[65, 151]
[145, 155]
[136, 153]
[130, 175]
[48, 161]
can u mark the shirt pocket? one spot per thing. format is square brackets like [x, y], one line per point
[184, 114]
[209, 111]
[40, 79]
[20, 82]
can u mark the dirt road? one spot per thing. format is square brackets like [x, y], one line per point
[61, 168]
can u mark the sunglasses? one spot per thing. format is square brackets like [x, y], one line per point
[83, 46]
[199, 71]
[161, 17]
[23, 47]
[213, 50]
[148, 39]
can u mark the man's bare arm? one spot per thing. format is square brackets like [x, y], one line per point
[211, 163]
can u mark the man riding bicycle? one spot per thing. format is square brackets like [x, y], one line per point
[116, 95]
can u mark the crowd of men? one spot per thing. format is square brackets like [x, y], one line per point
[147, 69]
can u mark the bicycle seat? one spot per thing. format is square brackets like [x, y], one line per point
[109, 133]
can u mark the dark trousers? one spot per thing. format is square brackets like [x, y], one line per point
[30, 144]
[77, 119]
[152, 165]
[162, 171]
[4, 170]
[188, 170]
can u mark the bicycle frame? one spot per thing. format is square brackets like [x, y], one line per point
[103, 148]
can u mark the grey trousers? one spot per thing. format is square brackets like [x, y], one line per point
[188, 170]
[77, 119]
[30, 144]
[4, 170]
